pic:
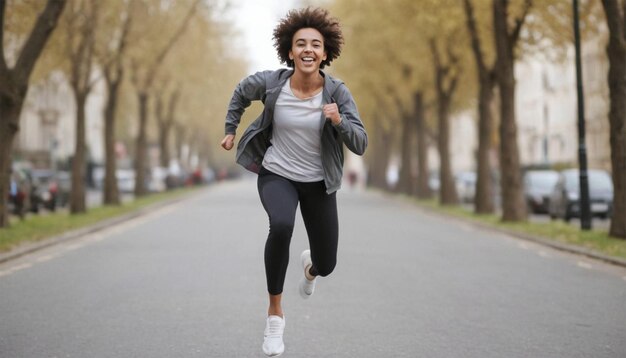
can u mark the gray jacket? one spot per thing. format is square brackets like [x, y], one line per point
[266, 86]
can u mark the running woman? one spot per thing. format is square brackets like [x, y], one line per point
[296, 147]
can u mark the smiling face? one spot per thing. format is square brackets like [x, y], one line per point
[307, 50]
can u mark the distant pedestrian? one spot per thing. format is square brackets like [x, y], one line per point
[296, 147]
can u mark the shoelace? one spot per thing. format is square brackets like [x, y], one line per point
[274, 329]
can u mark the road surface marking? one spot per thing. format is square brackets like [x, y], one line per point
[584, 265]
[15, 268]
[45, 258]
[467, 227]
[522, 245]
[21, 267]
[544, 254]
[73, 247]
[95, 237]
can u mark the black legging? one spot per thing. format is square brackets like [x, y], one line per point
[280, 197]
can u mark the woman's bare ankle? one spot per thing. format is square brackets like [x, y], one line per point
[275, 312]
[275, 307]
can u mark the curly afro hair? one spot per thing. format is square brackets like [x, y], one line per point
[316, 18]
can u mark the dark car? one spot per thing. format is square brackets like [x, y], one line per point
[19, 190]
[44, 190]
[50, 189]
[538, 185]
[64, 187]
[565, 198]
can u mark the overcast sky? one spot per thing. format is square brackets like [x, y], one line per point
[256, 20]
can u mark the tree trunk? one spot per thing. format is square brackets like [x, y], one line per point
[113, 75]
[513, 206]
[447, 189]
[423, 190]
[210, 149]
[204, 150]
[405, 179]
[13, 87]
[164, 145]
[161, 122]
[179, 141]
[616, 51]
[80, 51]
[483, 199]
[379, 158]
[448, 195]
[111, 190]
[77, 200]
[165, 125]
[141, 146]
[9, 125]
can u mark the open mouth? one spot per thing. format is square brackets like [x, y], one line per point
[308, 60]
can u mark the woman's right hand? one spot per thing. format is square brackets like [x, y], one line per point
[228, 142]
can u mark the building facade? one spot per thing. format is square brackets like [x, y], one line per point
[546, 113]
[47, 135]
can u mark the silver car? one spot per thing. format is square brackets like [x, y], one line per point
[565, 197]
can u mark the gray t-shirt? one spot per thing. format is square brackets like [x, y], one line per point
[295, 152]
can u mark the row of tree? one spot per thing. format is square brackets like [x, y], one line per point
[171, 57]
[413, 63]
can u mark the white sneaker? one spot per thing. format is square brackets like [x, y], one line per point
[307, 287]
[273, 345]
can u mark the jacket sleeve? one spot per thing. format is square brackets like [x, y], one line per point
[251, 88]
[350, 128]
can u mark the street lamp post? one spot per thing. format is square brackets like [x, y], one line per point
[49, 118]
[585, 214]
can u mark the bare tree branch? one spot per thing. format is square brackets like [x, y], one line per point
[455, 64]
[476, 46]
[90, 28]
[435, 52]
[113, 66]
[519, 22]
[121, 49]
[37, 39]
[3, 64]
[174, 97]
[158, 108]
[623, 18]
[161, 56]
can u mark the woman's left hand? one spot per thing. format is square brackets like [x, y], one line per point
[331, 112]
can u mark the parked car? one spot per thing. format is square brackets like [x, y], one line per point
[19, 191]
[45, 190]
[125, 180]
[433, 181]
[156, 180]
[565, 198]
[64, 183]
[538, 185]
[466, 186]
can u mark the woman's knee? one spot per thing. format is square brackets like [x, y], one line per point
[325, 268]
[281, 229]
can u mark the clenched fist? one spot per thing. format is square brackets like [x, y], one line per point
[331, 112]
[228, 141]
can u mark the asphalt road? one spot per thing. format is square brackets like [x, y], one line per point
[188, 281]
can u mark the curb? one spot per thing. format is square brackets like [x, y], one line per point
[536, 239]
[29, 247]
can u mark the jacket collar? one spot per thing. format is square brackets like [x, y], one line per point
[330, 84]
